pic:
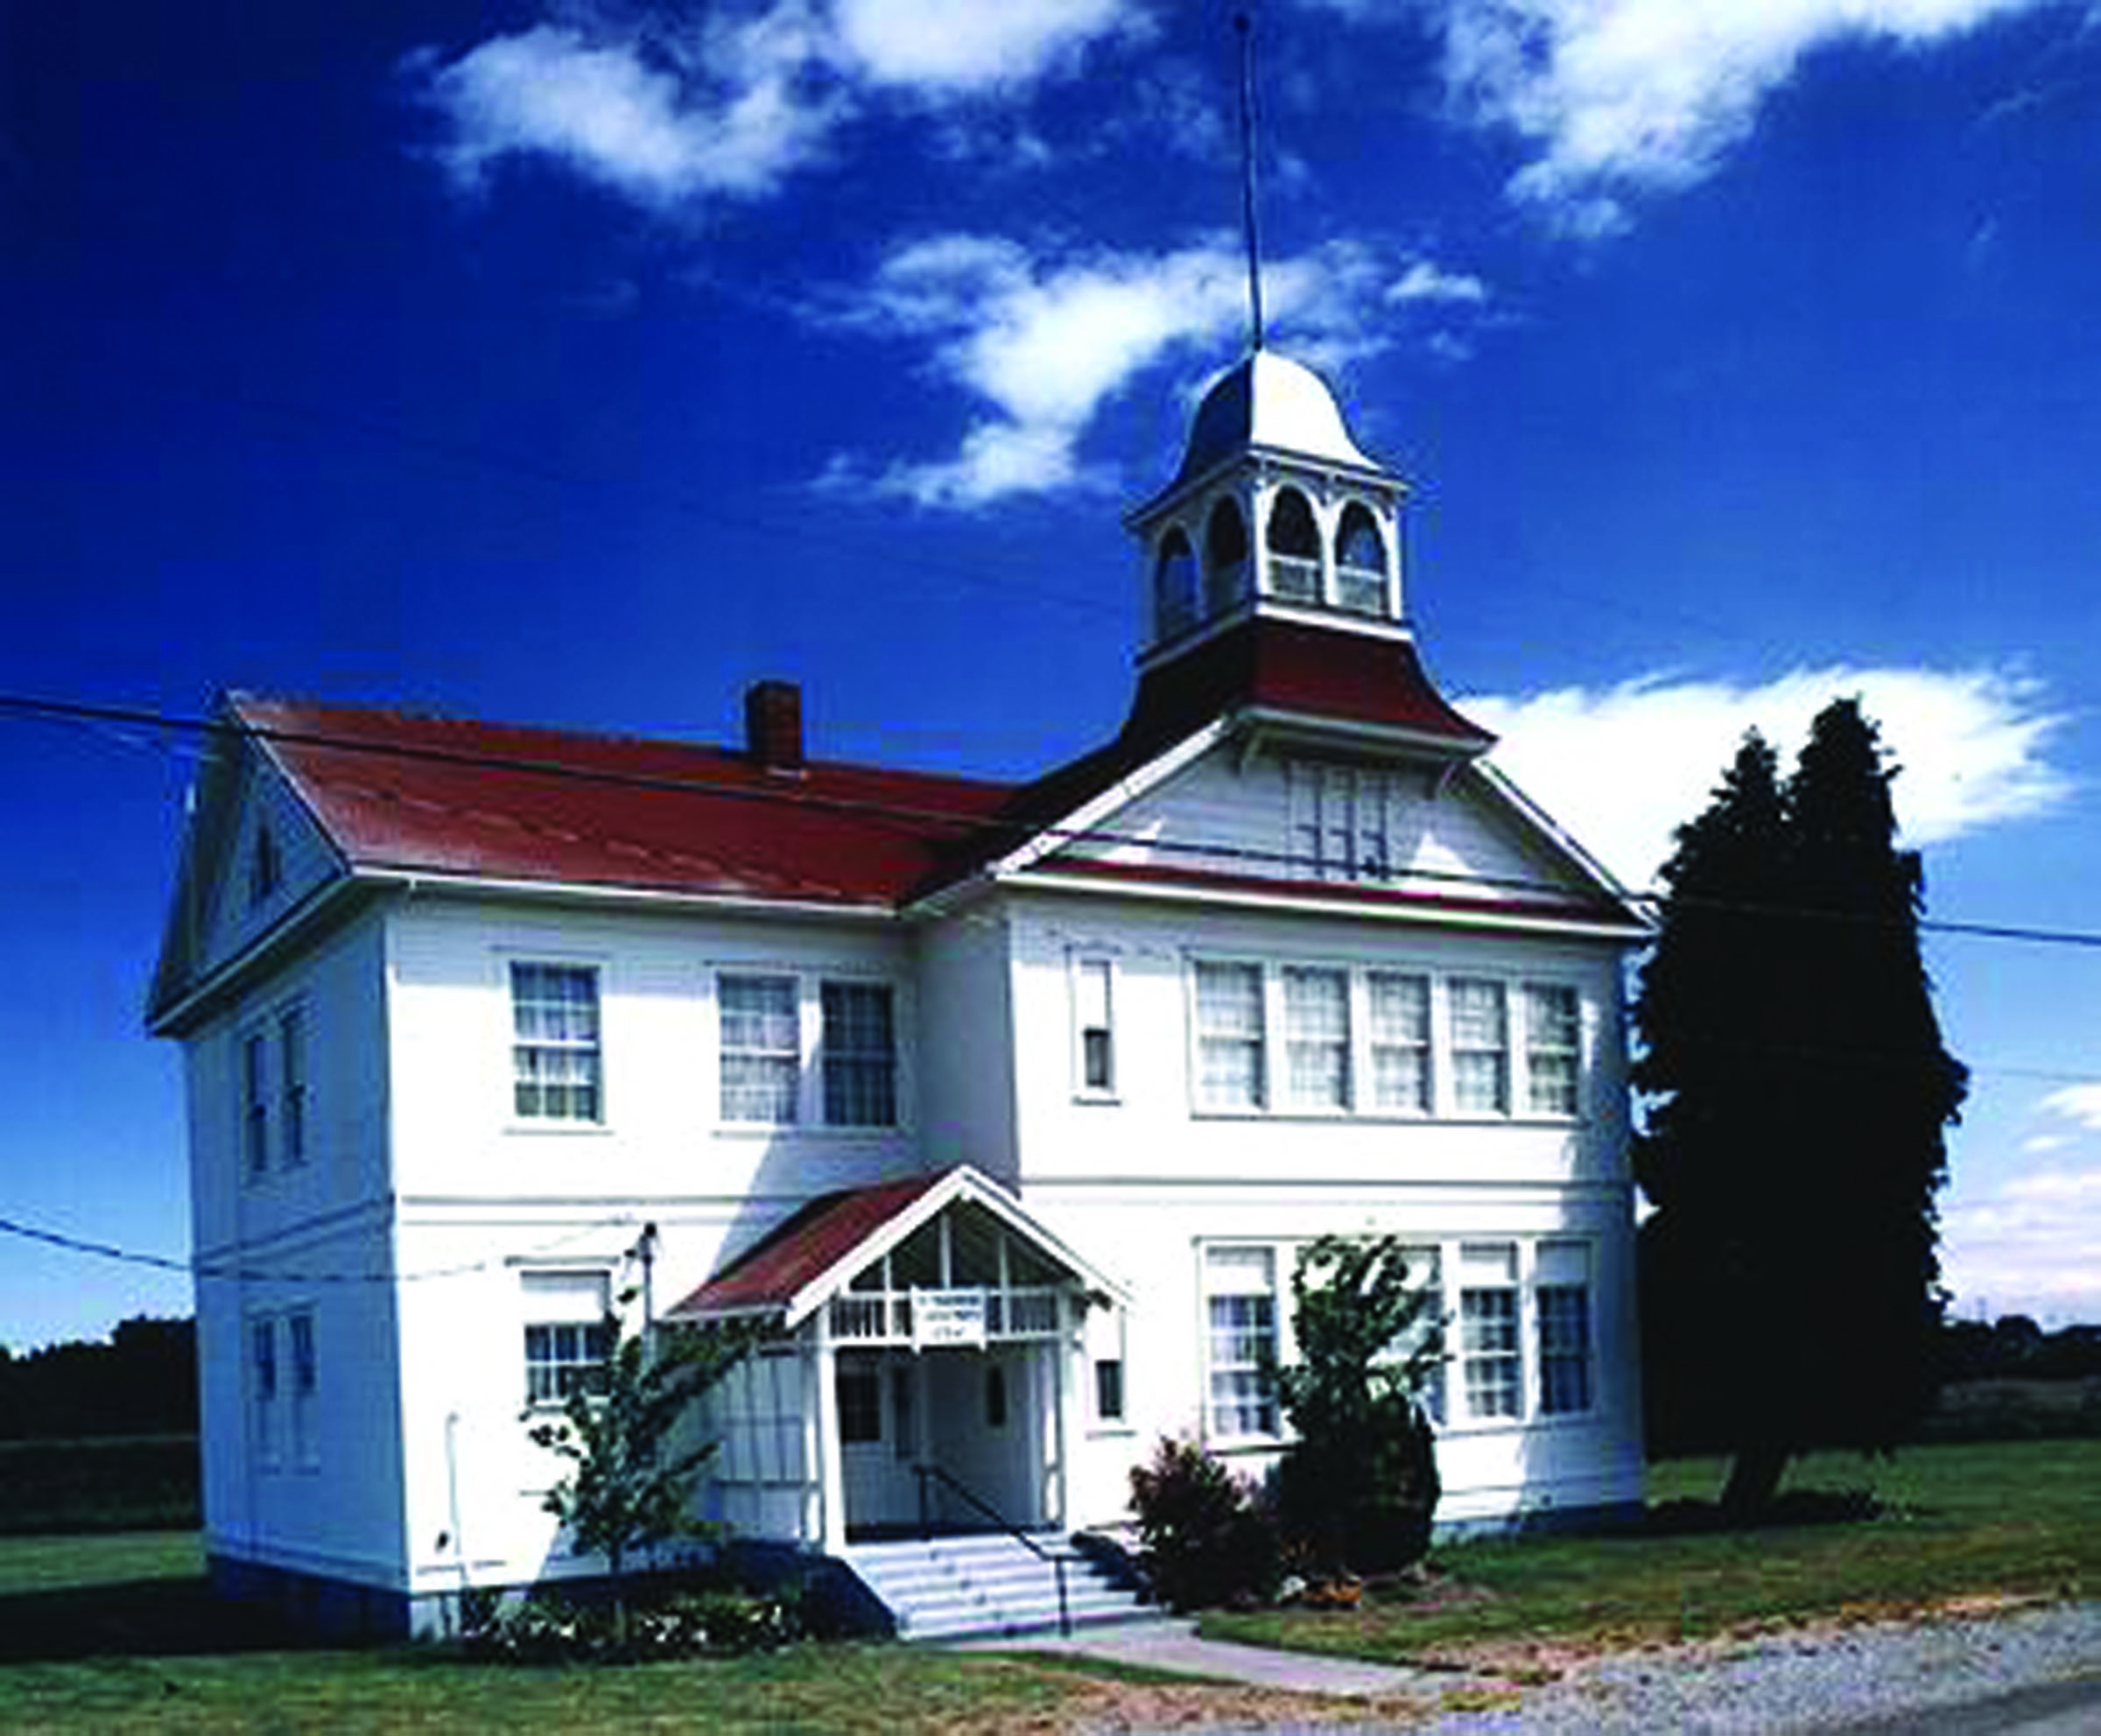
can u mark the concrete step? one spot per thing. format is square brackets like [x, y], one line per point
[957, 1587]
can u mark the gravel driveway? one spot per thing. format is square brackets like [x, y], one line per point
[1878, 1677]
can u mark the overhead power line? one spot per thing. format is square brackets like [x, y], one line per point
[32, 706]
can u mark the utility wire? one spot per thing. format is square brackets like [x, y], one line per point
[30, 707]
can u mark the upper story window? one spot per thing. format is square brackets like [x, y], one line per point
[556, 1070]
[292, 1084]
[1093, 1027]
[1224, 557]
[1339, 820]
[1480, 1046]
[1231, 1069]
[1294, 546]
[1361, 562]
[858, 1054]
[1174, 585]
[771, 1022]
[266, 866]
[762, 1048]
[1365, 1040]
[255, 1103]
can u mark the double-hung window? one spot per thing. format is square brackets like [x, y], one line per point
[1230, 1058]
[568, 1335]
[556, 1070]
[255, 1103]
[762, 1048]
[1562, 1301]
[292, 1084]
[1240, 1286]
[1553, 1037]
[262, 1389]
[1491, 1353]
[1093, 1027]
[1316, 1038]
[1400, 1042]
[858, 1055]
[1480, 1046]
[1338, 825]
[306, 1385]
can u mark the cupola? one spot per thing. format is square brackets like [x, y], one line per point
[1275, 512]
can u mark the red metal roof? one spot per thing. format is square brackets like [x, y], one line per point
[445, 796]
[802, 1248]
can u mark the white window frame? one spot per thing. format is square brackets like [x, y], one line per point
[1449, 1267]
[1210, 1035]
[1563, 1268]
[1094, 991]
[1318, 1075]
[1268, 1046]
[302, 1352]
[590, 1048]
[294, 1052]
[1222, 1277]
[813, 1099]
[265, 1385]
[571, 1308]
[1339, 820]
[1550, 1041]
[841, 1110]
[252, 1070]
[771, 1056]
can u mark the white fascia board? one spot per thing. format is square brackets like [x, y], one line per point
[1602, 877]
[1058, 834]
[590, 892]
[960, 1183]
[1529, 922]
[1416, 743]
[287, 932]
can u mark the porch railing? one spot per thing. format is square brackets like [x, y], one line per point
[1057, 1558]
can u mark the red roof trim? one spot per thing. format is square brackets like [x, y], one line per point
[800, 1249]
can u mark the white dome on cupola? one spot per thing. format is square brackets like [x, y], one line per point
[1275, 512]
[1271, 401]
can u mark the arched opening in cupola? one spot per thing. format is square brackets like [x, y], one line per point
[1361, 562]
[1294, 545]
[1225, 556]
[1174, 584]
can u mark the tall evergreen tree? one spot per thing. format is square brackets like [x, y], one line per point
[1797, 1092]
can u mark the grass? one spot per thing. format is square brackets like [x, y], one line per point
[105, 1631]
[1957, 1523]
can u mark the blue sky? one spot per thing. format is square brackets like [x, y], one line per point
[580, 363]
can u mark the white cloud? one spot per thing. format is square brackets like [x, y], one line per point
[1637, 760]
[730, 108]
[2028, 1246]
[969, 45]
[1042, 344]
[1620, 96]
[2080, 1103]
[1424, 282]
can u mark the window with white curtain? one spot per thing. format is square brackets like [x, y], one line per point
[556, 1065]
[1230, 1056]
[568, 1337]
[762, 1048]
[1480, 1046]
[1491, 1352]
[1553, 1042]
[1316, 1038]
[1400, 1042]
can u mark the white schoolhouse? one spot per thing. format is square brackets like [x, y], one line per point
[1008, 1105]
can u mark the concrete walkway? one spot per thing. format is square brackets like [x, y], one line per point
[1171, 1643]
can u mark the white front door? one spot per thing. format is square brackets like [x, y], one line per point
[878, 1438]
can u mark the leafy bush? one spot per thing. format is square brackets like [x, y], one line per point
[1357, 1489]
[1207, 1538]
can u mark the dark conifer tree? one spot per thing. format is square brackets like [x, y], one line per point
[1798, 1092]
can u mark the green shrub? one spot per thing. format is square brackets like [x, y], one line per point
[1207, 1539]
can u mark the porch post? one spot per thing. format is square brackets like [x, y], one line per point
[831, 1486]
[1070, 1398]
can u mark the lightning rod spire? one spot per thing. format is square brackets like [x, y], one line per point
[1245, 25]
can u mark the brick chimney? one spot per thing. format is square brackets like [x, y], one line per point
[773, 725]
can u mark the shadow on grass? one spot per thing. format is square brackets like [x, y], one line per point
[140, 1618]
[1691, 1518]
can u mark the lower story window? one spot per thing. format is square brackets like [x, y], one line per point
[1491, 1354]
[1563, 1303]
[568, 1335]
[1240, 1305]
[1108, 1389]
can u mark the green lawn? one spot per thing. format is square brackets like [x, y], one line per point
[115, 1630]
[2013, 1520]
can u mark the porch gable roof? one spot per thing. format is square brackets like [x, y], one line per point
[815, 1252]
